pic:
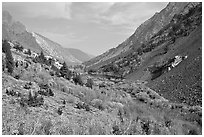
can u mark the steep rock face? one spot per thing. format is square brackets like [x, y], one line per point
[69, 55]
[48, 46]
[142, 34]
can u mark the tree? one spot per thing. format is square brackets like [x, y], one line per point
[139, 51]
[5, 46]
[89, 83]
[41, 58]
[65, 72]
[50, 62]
[9, 58]
[78, 80]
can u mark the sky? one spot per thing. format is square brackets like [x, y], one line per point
[93, 27]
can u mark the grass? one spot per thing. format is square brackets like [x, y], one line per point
[113, 110]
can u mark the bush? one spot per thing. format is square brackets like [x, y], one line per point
[52, 73]
[18, 47]
[97, 103]
[139, 51]
[78, 80]
[89, 83]
[47, 92]
[46, 126]
[82, 105]
[32, 101]
[59, 111]
[28, 52]
[91, 71]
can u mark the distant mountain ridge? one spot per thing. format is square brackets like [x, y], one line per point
[15, 31]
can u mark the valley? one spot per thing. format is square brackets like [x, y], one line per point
[151, 84]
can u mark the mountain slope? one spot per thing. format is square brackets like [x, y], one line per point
[15, 31]
[142, 34]
[70, 55]
[80, 55]
[184, 82]
[170, 61]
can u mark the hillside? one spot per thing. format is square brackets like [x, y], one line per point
[154, 60]
[142, 34]
[36, 101]
[80, 55]
[15, 31]
[151, 84]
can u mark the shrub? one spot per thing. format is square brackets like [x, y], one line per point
[52, 73]
[89, 83]
[139, 51]
[46, 126]
[116, 130]
[18, 47]
[91, 71]
[59, 111]
[98, 104]
[35, 100]
[46, 92]
[28, 52]
[43, 86]
[78, 80]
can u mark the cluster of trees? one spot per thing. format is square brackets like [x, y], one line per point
[43, 60]
[18, 47]
[67, 74]
[62, 72]
[110, 68]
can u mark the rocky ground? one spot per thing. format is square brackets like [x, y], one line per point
[36, 103]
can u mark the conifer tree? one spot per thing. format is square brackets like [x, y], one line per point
[65, 72]
[9, 58]
[89, 83]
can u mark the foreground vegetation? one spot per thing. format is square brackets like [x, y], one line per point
[38, 102]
